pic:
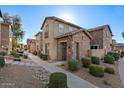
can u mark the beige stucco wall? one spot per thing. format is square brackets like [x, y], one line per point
[39, 42]
[53, 32]
[98, 52]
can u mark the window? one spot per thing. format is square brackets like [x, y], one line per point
[61, 28]
[46, 33]
[46, 48]
[70, 29]
[94, 47]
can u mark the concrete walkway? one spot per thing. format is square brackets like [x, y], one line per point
[73, 80]
[121, 70]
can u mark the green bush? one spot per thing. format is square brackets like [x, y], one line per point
[41, 55]
[96, 70]
[25, 56]
[95, 60]
[13, 52]
[58, 80]
[86, 62]
[45, 57]
[2, 61]
[115, 55]
[72, 65]
[17, 59]
[2, 53]
[109, 70]
[35, 53]
[17, 55]
[109, 59]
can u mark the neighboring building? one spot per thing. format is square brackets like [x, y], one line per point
[102, 38]
[118, 47]
[39, 42]
[31, 45]
[63, 40]
[5, 36]
[25, 47]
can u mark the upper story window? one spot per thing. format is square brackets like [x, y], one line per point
[70, 28]
[46, 33]
[61, 28]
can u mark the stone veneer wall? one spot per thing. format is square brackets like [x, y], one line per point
[84, 45]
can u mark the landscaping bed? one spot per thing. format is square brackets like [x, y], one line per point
[108, 81]
[17, 76]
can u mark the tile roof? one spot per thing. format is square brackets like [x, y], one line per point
[60, 20]
[100, 28]
[118, 44]
[38, 33]
[73, 33]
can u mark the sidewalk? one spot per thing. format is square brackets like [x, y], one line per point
[121, 70]
[73, 80]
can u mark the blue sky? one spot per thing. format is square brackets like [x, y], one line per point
[85, 16]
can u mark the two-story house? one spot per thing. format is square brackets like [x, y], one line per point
[5, 36]
[31, 45]
[102, 38]
[63, 40]
[39, 42]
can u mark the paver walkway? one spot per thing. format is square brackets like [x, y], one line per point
[121, 70]
[73, 80]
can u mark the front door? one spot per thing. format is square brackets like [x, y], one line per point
[64, 51]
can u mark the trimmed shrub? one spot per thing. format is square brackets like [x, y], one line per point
[2, 53]
[109, 59]
[35, 53]
[25, 56]
[58, 80]
[17, 55]
[13, 52]
[96, 70]
[109, 70]
[86, 62]
[115, 55]
[2, 61]
[41, 55]
[72, 65]
[95, 60]
[45, 57]
[20, 51]
[17, 59]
